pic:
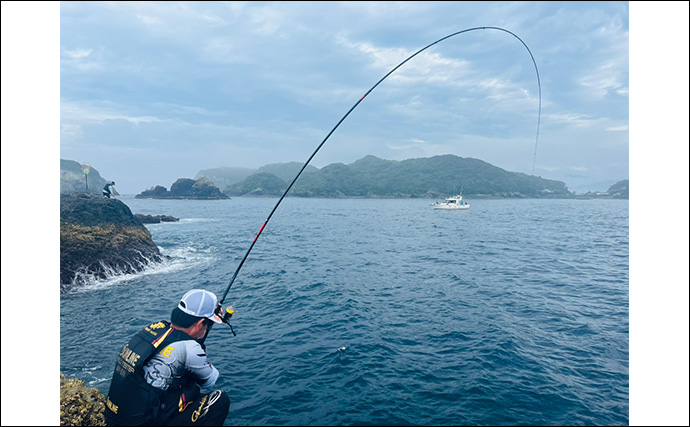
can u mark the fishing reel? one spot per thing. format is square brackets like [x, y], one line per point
[225, 317]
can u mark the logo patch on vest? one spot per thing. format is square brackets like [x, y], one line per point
[113, 407]
[198, 413]
[183, 403]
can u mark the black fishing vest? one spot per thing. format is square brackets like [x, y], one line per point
[131, 400]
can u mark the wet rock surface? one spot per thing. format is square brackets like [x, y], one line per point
[80, 405]
[100, 237]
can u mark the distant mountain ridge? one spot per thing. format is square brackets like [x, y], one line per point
[371, 176]
[224, 176]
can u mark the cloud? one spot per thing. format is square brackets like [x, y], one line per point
[92, 112]
[604, 80]
[448, 86]
[425, 68]
[548, 168]
[573, 119]
[79, 59]
[414, 144]
[617, 128]
[71, 131]
[268, 21]
[78, 53]
[608, 72]
[149, 20]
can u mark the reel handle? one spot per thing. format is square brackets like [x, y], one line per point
[226, 318]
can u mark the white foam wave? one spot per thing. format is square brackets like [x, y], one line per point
[197, 220]
[157, 225]
[94, 382]
[175, 259]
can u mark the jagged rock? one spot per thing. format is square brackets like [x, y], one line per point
[148, 219]
[80, 405]
[185, 188]
[73, 179]
[101, 237]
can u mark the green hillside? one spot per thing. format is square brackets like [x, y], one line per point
[424, 177]
[225, 176]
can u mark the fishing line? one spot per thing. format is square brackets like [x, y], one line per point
[239, 267]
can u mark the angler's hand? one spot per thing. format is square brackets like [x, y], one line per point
[219, 311]
[227, 314]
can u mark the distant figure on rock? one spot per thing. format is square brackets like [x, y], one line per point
[106, 189]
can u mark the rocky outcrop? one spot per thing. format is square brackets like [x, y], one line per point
[73, 179]
[185, 188]
[620, 190]
[149, 219]
[79, 405]
[99, 238]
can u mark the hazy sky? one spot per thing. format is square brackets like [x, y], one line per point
[155, 91]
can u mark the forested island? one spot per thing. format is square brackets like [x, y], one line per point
[414, 178]
[369, 177]
[185, 188]
[619, 190]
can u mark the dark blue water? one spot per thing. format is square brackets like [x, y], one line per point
[387, 311]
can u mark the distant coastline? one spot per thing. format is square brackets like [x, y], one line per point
[369, 177]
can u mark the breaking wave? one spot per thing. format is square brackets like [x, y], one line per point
[173, 260]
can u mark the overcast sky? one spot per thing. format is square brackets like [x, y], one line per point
[155, 91]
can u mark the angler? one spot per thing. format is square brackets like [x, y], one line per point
[163, 377]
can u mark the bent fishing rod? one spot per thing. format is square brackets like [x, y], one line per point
[226, 316]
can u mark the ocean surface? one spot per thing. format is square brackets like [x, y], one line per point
[373, 312]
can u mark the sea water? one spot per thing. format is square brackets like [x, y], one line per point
[371, 312]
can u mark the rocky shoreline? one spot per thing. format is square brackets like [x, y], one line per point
[80, 405]
[99, 238]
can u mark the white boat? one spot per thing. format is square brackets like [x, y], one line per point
[452, 204]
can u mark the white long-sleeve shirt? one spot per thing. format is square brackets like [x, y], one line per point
[177, 364]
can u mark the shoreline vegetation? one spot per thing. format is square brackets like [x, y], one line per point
[369, 177]
[579, 196]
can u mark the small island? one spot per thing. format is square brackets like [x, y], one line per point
[150, 219]
[185, 188]
[619, 190]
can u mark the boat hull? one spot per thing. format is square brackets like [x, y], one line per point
[454, 203]
[452, 208]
